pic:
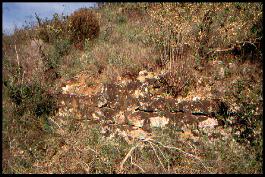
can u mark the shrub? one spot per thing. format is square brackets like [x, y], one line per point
[215, 25]
[62, 46]
[51, 30]
[54, 57]
[175, 82]
[31, 97]
[43, 34]
[177, 60]
[83, 24]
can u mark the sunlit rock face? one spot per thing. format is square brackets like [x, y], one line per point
[141, 104]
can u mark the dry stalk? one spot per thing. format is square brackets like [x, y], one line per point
[85, 166]
[162, 154]
[54, 122]
[127, 156]
[137, 165]
[18, 63]
[186, 153]
[157, 155]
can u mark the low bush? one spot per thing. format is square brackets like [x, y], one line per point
[205, 27]
[52, 30]
[176, 83]
[31, 97]
[83, 24]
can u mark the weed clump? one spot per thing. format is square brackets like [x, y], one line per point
[52, 30]
[31, 97]
[83, 25]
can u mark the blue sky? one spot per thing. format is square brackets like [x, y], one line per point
[15, 14]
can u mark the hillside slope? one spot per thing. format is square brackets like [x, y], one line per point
[155, 88]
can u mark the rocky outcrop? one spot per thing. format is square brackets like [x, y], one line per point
[141, 104]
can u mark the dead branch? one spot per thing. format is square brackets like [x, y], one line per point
[127, 156]
[186, 153]
[235, 47]
[220, 51]
[157, 155]
[137, 165]
[18, 63]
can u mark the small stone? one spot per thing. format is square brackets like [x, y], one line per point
[138, 134]
[232, 66]
[65, 89]
[138, 93]
[71, 110]
[196, 98]
[138, 123]
[143, 75]
[120, 118]
[158, 122]
[208, 123]
[103, 130]
[141, 78]
[102, 101]
[97, 115]
[222, 72]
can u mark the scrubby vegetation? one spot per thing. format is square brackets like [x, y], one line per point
[201, 49]
[83, 24]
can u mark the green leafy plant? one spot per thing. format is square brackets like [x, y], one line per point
[52, 30]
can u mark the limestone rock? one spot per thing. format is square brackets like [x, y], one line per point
[136, 119]
[97, 115]
[120, 118]
[143, 75]
[209, 123]
[222, 73]
[158, 122]
[102, 101]
[138, 134]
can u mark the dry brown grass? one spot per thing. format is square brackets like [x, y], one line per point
[166, 36]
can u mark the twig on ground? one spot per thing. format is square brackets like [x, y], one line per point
[157, 155]
[137, 165]
[170, 147]
[186, 153]
[87, 167]
[162, 155]
[54, 122]
[127, 156]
